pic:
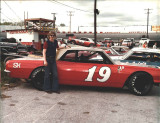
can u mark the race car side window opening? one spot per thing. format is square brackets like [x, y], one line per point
[156, 57]
[70, 55]
[93, 57]
[141, 56]
[85, 56]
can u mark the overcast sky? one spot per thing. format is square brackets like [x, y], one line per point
[112, 12]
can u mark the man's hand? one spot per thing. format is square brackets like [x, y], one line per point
[45, 63]
[68, 46]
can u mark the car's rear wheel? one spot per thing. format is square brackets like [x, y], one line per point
[37, 78]
[140, 83]
[91, 45]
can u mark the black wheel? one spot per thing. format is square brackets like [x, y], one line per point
[37, 78]
[140, 83]
[91, 45]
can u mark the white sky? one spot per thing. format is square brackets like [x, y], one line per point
[112, 12]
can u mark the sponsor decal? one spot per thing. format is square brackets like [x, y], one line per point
[120, 68]
[16, 65]
[141, 63]
[104, 73]
[133, 85]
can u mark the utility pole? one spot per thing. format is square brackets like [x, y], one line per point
[148, 20]
[95, 21]
[54, 19]
[70, 14]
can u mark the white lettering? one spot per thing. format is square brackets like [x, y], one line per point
[104, 72]
[16, 65]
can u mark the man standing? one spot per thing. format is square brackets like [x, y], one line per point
[145, 45]
[51, 83]
[155, 46]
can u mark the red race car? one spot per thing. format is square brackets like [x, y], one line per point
[87, 67]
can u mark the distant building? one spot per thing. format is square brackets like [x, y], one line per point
[34, 29]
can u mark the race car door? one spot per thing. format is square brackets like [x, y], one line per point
[92, 68]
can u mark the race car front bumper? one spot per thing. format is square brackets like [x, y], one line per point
[7, 71]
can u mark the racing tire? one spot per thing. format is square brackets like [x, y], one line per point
[91, 45]
[37, 78]
[140, 83]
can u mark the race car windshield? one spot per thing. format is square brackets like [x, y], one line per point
[127, 54]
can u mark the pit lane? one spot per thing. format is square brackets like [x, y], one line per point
[77, 104]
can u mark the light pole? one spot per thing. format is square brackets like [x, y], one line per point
[70, 14]
[54, 19]
[148, 20]
[95, 21]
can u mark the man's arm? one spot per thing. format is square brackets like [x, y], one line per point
[63, 47]
[44, 57]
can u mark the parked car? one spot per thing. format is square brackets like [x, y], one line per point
[110, 51]
[71, 38]
[88, 42]
[80, 66]
[107, 41]
[126, 42]
[121, 49]
[13, 47]
[10, 50]
[143, 40]
[145, 56]
[129, 42]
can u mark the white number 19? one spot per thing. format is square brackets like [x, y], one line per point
[104, 72]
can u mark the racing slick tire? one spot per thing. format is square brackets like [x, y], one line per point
[140, 83]
[91, 45]
[37, 78]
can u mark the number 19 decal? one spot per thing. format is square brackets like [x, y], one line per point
[104, 72]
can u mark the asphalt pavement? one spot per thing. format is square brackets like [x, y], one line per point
[77, 104]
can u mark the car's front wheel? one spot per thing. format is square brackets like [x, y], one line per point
[37, 78]
[140, 83]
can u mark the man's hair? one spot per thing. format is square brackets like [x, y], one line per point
[51, 33]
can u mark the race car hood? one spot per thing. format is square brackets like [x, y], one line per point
[30, 57]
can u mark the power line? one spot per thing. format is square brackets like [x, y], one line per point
[12, 10]
[70, 6]
[6, 16]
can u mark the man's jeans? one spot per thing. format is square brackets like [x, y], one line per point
[51, 76]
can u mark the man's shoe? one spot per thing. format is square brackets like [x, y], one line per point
[58, 92]
[49, 92]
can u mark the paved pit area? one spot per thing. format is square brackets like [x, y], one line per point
[25, 104]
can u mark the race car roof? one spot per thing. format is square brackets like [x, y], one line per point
[146, 50]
